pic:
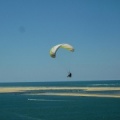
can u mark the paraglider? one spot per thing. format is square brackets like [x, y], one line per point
[54, 49]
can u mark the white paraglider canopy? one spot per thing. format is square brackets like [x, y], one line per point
[54, 49]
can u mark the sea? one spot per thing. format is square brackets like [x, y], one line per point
[18, 106]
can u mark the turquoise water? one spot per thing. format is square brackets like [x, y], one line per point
[38, 107]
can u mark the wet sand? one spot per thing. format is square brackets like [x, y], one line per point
[85, 90]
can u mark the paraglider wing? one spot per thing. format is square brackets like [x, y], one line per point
[54, 49]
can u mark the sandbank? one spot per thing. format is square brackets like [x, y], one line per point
[30, 90]
[22, 89]
[77, 94]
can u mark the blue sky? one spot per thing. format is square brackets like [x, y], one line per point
[29, 28]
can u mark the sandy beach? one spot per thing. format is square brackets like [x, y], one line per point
[31, 91]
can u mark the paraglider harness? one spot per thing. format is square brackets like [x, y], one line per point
[69, 74]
